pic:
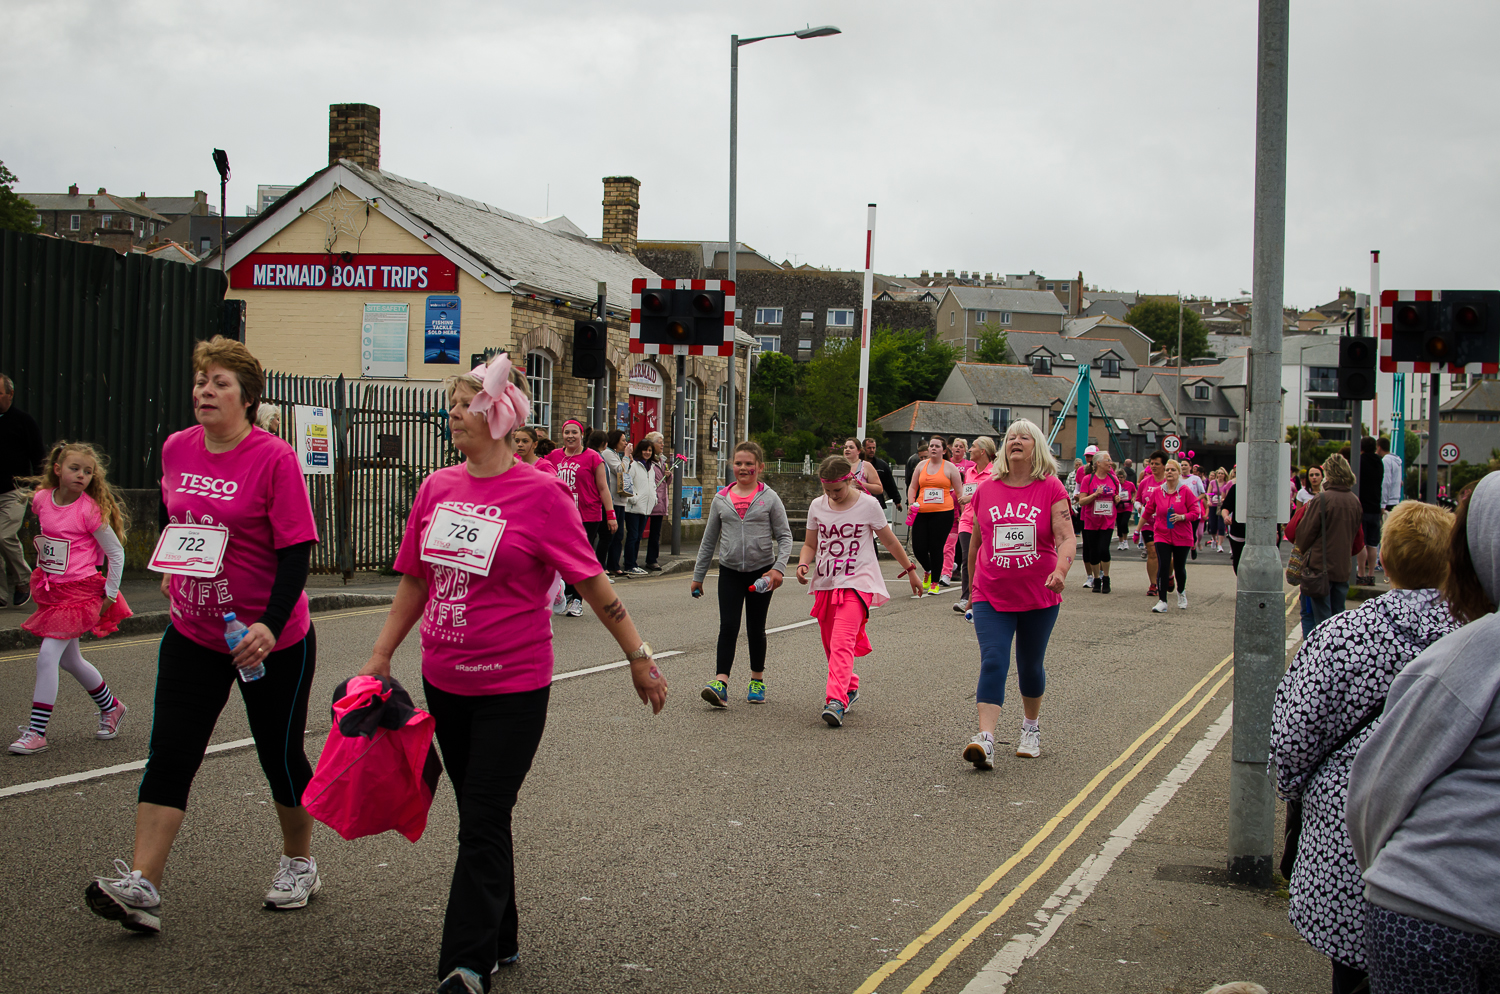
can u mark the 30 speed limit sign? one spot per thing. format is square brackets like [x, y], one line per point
[1448, 452]
[1172, 444]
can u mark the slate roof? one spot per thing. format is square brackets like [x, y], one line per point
[1024, 344]
[1475, 441]
[1482, 395]
[974, 298]
[1216, 406]
[1137, 409]
[938, 418]
[709, 249]
[102, 202]
[995, 385]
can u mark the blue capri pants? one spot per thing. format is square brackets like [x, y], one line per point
[1030, 630]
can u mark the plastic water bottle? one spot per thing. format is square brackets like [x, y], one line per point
[234, 633]
[762, 585]
[698, 592]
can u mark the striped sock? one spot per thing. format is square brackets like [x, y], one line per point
[40, 715]
[103, 699]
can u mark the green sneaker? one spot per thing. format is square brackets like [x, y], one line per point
[757, 693]
[717, 694]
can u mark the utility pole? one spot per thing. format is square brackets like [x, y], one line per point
[1259, 625]
[1178, 402]
[1433, 412]
[601, 385]
[677, 460]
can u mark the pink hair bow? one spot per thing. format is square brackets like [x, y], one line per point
[503, 404]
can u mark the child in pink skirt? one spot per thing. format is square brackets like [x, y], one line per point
[839, 552]
[82, 526]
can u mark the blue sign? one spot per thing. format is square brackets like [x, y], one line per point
[441, 344]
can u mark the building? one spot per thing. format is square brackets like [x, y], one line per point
[1309, 383]
[1205, 405]
[1102, 327]
[964, 311]
[362, 273]
[1478, 404]
[199, 232]
[1052, 354]
[122, 223]
[1002, 394]
[265, 196]
[908, 428]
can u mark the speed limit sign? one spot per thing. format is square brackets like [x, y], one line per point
[1448, 452]
[1172, 444]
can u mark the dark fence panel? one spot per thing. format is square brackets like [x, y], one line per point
[100, 345]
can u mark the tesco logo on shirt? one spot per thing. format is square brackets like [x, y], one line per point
[478, 510]
[208, 486]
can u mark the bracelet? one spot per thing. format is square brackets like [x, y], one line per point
[609, 515]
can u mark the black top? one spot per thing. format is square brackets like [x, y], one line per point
[1371, 481]
[887, 481]
[1236, 529]
[21, 449]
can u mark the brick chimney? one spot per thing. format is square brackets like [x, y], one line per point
[622, 209]
[354, 134]
[73, 190]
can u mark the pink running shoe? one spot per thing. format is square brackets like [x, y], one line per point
[109, 721]
[29, 742]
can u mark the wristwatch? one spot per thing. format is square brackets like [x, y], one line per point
[640, 652]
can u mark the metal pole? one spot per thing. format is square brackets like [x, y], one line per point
[1433, 411]
[223, 208]
[1259, 626]
[677, 430]
[1178, 402]
[864, 328]
[734, 251]
[1374, 331]
[601, 385]
[1356, 449]
[1081, 425]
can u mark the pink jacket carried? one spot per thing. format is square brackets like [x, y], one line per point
[1186, 508]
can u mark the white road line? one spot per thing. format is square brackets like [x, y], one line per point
[787, 628]
[997, 974]
[556, 677]
[63, 781]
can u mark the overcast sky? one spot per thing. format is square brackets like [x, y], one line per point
[1111, 137]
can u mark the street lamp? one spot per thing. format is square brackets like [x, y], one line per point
[735, 41]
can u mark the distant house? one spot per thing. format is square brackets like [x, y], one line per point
[965, 311]
[1478, 404]
[1050, 354]
[908, 428]
[120, 222]
[1199, 403]
[1102, 326]
[1002, 393]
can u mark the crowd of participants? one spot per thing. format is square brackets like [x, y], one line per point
[1386, 723]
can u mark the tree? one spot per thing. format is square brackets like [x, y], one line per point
[16, 212]
[1303, 448]
[774, 393]
[1157, 319]
[993, 344]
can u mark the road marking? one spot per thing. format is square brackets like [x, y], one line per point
[62, 781]
[787, 628]
[958, 910]
[570, 674]
[997, 974]
[978, 929]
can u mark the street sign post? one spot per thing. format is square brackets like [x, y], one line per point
[1448, 453]
[1172, 445]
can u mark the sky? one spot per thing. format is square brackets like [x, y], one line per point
[1113, 138]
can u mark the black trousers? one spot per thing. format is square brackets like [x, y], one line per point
[1122, 524]
[734, 594]
[616, 541]
[592, 529]
[1170, 559]
[192, 687]
[653, 540]
[929, 533]
[488, 743]
[1235, 549]
[1096, 546]
[964, 538]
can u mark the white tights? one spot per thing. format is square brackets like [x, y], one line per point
[55, 654]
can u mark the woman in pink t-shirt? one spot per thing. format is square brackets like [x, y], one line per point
[1172, 512]
[477, 560]
[1124, 509]
[526, 451]
[582, 470]
[1097, 492]
[1020, 555]
[983, 450]
[951, 562]
[839, 554]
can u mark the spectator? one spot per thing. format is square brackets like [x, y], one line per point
[21, 454]
[1390, 487]
[1325, 705]
[1423, 806]
[883, 470]
[1326, 536]
[1371, 491]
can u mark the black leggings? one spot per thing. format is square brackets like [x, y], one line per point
[1096, 546]
[964, 538]
[735, 593]
[929, 534]
[592, 529]
[1122, 523]
[1170, 559]
[192, 687]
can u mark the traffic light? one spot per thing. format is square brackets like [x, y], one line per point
[1356, 368]
[682, 317]
[1452, 328]
[590, 339]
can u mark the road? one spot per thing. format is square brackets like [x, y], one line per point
[751, 849]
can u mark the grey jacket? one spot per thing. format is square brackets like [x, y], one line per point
[762, 538]
[1423, 811]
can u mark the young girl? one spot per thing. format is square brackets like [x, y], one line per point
[840, 553]
[82, 525]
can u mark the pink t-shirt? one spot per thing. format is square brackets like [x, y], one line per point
[1148, 485]
[1017, 550]
[1186, 508]
[578, 473]
[67, 537]
[741, 504]
[846, 547]
[1100, 514]
[255, 490]
[972, 478]
[545, 465]
[509, 611]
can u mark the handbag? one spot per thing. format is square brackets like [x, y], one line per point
[1293, 833]
[1299, 573]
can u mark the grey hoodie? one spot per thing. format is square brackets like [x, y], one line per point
[1424, 805]
[762, 538]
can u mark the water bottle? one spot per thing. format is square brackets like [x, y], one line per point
[762, 585]
[234, 633]
[698, 592]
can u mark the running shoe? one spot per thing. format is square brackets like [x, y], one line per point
[960, 606]
[129, 899]
[1182, 600]
[833, 713]
[926, 583]
[945, 581]
[575, 607]
[1151, 591]
[21, 597]
[510, 960]
[295, 883]
[29, 743]
[1160, 607]
[1030, 746]
[654, 567]
[717, 694]
[1105, 580]
[933, 588]
[1088, 584]
[1193, 551]
[109, 721]
[981, 751]
[461, 981]
[853, 696]
[636, 571]
[757, 694]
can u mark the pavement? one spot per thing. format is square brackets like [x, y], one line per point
[748, 849]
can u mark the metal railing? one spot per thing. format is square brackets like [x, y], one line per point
[1328, 415]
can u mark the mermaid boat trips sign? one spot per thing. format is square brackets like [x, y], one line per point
[311, 271]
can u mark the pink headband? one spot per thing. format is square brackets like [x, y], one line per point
[575, 421]
[503, 404]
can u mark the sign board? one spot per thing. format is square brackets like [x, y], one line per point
[325, 271]
[692, 503]
[645, 380]
[440, 335]
[1172, 444]
[713, 433]
[314, 440]
[622, 415]
[1283, 476]
[382, 340]
[1448, 452]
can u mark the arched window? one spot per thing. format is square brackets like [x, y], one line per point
[539, 376]
[726, 444]
[690, 426]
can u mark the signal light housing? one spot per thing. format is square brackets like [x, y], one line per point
[1431, 331]
[682, 317]
[1356, 374]
[590, 348]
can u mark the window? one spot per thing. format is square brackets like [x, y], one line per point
[1223, 426]
[1323, 379]
[690, 426]
[726, 444]
[1000, 419]
[130, 223]
[539, 377]
[768, 315]
[609, 415]
[1197, 427]
[1459, 381]
[952, 316]
[1005, 317]
[204, 244]
[1041, 364]
[40, 221]
[1051, 286]
[983, 317]
[769, 343]
[1487, 416]
[1200, 391]
[73, 222]
[841, 317]
[104, 222]
[804, 343]
[1109, 368]
[807, 319]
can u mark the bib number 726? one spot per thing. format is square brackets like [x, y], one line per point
[466, 541]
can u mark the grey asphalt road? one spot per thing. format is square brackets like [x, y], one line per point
[751, 849]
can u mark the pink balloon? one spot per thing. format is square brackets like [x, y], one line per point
[1190, 453]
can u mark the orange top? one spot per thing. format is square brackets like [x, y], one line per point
[934, 490]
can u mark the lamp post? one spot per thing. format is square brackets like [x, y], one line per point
[221, 163]
[735, 41]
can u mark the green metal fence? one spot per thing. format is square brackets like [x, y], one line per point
[100, 345]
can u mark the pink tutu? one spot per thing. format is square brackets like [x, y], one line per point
[68, 610]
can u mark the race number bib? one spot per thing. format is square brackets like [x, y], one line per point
[465, 541]
[969, 489]
[190, 550]
[1103, 507]
[52, 554]
[932, 495]
[1015, 539]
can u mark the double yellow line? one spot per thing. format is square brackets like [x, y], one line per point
[925, 979]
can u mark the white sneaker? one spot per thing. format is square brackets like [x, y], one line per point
[1182, 600]
[960, 606]
[981, 751]
[1030, 746]
[945, 581]
[1088, 584]
[295, 882]
[1160, 607]
[129, 899]
[575, 607]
